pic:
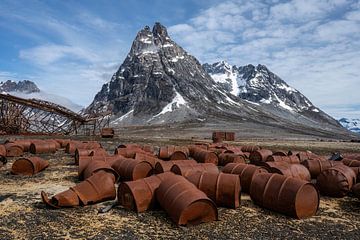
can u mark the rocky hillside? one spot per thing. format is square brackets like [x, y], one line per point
[24, 86]
[350, 124]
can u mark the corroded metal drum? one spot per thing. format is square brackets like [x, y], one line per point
[316, 166]
[2, 150]
[204, 156]
[165, 166]
[93, 167]
[132, 169]
[174, 152]
[289, 159]
[14, 150]
[259, 156]
[185, 204]
[73, 145]
[285, 195]
[351, 162]
[42, 147]
[29, 166]
[183, 170]
[225, 158]
[308, 156]
[148, 158]
[250, 148]
[246, 172]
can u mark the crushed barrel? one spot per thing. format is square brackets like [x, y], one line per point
[286, 195]
[93, 167]
[184, 203]
[29, 166]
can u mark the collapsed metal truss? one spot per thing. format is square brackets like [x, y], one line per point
[18, 115]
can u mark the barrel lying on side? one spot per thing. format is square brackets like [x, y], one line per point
[132, 169]
[225, 158]
[2, 150]
[183, 170]
[174, 152]
[287, 159]
[285, 195]
[29, 166]
[223, 188]
[259, 156]
[89, 152]
[336, 181]
[289, 170]
[184, 203]
[42, 147]
[250, 148]
[139, 195]
[165, 166]
[316, 166]
[14, 150]
[246, 172]
[204, 156]
[308, 156]
[351, 162]
[93, 167]
[73, 145]
[355, 156]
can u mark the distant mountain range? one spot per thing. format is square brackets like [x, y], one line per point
[351, 124]
[29, 90]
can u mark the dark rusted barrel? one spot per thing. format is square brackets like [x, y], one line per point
[94, 167]
[2, 150]
[289, 170]
[355, 156]
[286, 195]
[25, 143]
[223, 188]
[259, 156]
[148, 158]
[129, 152]
[280, 153]
[13, 150]
[184, 203]
[89, 152]
[357, 173]
[73, 145]
[165, 166]
[85, 160]
[308, 156]
[356, 190]
[62, 142]
[139, 195]
[42, 147]
[185, 169]
[235, 149]
[29, 166]
[351, 162]
[336, 181]
[174, 152]
[132, 169]
[288, 159]
[203, 156]
[316, 166]
[226, 158]
[246, 172]
[250, 148]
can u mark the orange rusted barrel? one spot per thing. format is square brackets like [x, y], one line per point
[246, 172]
[29, 166]
[14, 150]
[336, 181]
[139, 195]
[289, 170]
[259, 156]
[203, 156]
[280, 153]
[355, 156]
[132, 169]
[84, 161]
[165, 166]
[217, 151]
[218, 137]
[226, 158]
[42, 147]
[250, 148]
[148, 158]
[185, 169]
[308, 155]
[286, 195]
[93, 167]
[174, 152]
[97, 188]
[73, 145]
[288, 159]
[62, 142]
[222, 188]
[316, 166]
[184, 203]
[351, 162]
[89, 152]
[2, 150]
[25, 143]
[129, 152]
[235, 149]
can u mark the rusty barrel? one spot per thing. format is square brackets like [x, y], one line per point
[308, 156]
[165, 166]
[250, 148]
[290, 170]
[139, 195]
[286, 195]
[226, 158]
[357, 173]
[129, 152]
[246, 172]
[289, 159]
[14, 150]
[148, 158]
[336, 181]
[29, 166]
[107, 132]
[280, 153]
[62, 142]
[183, 170]
[174, 152]
[89, 152]
[355, 156]
[2, 150]
[84, 161]
[132, 169]
[93, 167]
[351, 162]
[204, 156]
[235, 149]
[316, 166]
[25, 143]
[42, 147]
[222, 188]
[184, 203]
[73, 145]
[259, 156]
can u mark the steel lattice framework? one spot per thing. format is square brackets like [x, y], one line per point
[18, 115]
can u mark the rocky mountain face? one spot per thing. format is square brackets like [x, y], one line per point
[159, 82]
[350, 124]
[24, 86]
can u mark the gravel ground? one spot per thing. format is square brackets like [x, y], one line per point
[24, 216]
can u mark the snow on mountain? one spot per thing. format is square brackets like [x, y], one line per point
[351, 124]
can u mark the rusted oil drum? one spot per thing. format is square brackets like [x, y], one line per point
[174, 152]
[129, 152]
[357, 173]
[62, 142]
[286, 195]
[289, 159]
[25, 143]
[336, 181]
[259, 156]
[246, 172]
[42, 147]
[250, 148]
[351, 162]
[235, 149]
[95, 166]
[308, 156]
[73, 145]
[139, 195]
[226, 158]
[165, 166]
[132, 169]
[203, 156]
[217, 151]
[184, 203]
[316, 166]
[2, 150]
[29, 166]
[223, 188]
[355, 156]
[183, 170]
[13, 150]
[89, 152]
[289, 170]
[280, 153]
[85, 160]
[356, 190]
[148, 158]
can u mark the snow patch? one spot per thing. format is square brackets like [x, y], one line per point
[123, 116]
[283, 104]
[168, 45]
[176, 58]
[146, 40]
[315, 110]
[177, 101]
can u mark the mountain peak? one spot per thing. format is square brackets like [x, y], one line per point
[159, 31]
[24, 86]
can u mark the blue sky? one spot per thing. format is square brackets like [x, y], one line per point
[72, 47]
